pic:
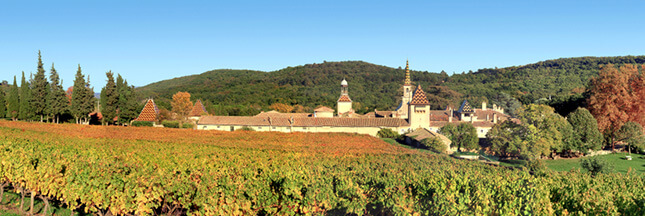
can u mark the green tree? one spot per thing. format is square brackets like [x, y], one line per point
[40, 90]
[463, 135]
[25, 112]
[109, 99]
[632, 134]
[3, 103]
[434, 144]
[82, 97]
[549, 125]
[127, 104]
[596, 165]
[57, 103]
[585, 131]
[13, 101]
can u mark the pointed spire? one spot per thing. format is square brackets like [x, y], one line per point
[407, 74]
[419, 97]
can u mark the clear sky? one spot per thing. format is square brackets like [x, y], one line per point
[148, 41]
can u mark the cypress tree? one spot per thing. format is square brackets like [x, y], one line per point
[40, 90]
[13, 101]
[88, 99]
[78, 95]
[3, 103]
[127, 104]
[109, 99]
[25, 100]
[56, 100]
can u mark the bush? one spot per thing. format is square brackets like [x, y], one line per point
[596, 165]
[170, 124]
[142, 124]
[245, 128]
[537, 167]
[387, 133]
[434, 144]
[188, 125]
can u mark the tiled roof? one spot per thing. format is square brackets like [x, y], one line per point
[384, 113]
[439, 115]
[465, 107]
[419, 97]
[422, 133]
[344, 98]
[276, 114]
[149, 112]
[324, 109]
[302, 121]
[198, 109]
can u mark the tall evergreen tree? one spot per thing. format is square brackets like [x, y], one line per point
[89, 102]
[40, 90]
[56, 100]
[127, 104]
[3, 103]
[78, 95]
[25, 112]
[109, 99]
[13, 101]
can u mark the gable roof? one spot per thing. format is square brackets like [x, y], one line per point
[419, 97]
[198, 109]
[344, 98]
[149, 112]
[465, 107]
[324, 109]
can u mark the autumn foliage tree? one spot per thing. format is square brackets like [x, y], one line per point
[616, 97]
[181, 103]
[280, 107]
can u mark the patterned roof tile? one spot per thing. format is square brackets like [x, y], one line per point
[344, 98]
[198, 109]
[149, 112]
[419, 97]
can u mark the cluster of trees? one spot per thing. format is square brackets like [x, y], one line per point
[617, 97]
[118, 101]
[44, 98]
[463, 135]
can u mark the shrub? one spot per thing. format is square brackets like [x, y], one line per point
[434, 144]
[245, 128]
[170, 124]
[537, 167]
[596, 165]
[387, 133]
[188, 125]
[142, 124]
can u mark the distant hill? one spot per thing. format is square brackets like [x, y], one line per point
[245, 92]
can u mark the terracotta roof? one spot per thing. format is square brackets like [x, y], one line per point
[324, 109]
[439, 115]
[276, 114]
[481, 114]
[422, 133]
[198, 109]
[344, 98]
[302, 121]
[149, 112]
[465, 107]
[384, 113]
[419, 97]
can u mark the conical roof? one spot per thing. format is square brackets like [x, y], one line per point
[198, 109]
[149, 112]
[465, 107]
[419, 97]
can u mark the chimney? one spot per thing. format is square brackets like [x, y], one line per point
[484, 105]
[494, 107]
[450, 116]
[495, 118]
[487, 118]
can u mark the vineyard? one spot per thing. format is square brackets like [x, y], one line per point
[119, 170]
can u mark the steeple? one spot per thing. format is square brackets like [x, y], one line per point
[407, 74]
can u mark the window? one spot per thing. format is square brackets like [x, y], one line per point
[218, 126]
[273, 127]
[204, 127]
[304, 128]
[259, 128]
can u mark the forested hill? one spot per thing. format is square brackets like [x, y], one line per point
[244, 92]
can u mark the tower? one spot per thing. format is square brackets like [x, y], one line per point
[344, 102]
[419, 110]
[407, 93]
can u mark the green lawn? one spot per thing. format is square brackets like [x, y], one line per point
[637, 163]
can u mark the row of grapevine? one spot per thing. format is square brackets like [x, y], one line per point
[149, 175]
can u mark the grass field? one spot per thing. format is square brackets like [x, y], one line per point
[637, 164]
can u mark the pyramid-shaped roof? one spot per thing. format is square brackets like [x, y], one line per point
[324, 109]
[419, 97]
[198, 109]
[465, 107]
[344, 98]
[149, 112]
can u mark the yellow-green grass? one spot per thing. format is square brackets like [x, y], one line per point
[620, 164]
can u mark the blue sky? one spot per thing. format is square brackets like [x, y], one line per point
[148, 41]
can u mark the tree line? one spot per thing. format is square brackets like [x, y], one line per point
[44, 99]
